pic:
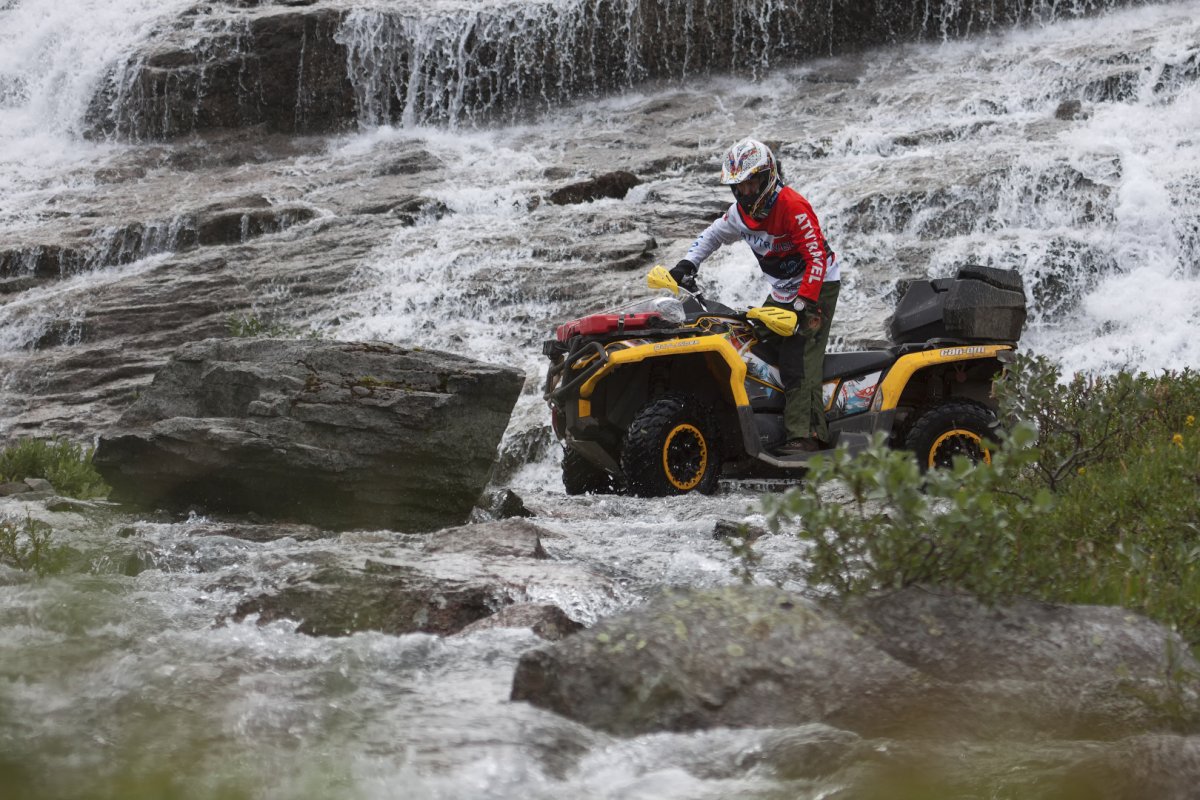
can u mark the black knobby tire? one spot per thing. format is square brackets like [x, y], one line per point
[580, 476]
[955, 427]
[671, 448]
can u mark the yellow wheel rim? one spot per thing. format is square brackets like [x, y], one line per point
[684, 457]
[959, 433]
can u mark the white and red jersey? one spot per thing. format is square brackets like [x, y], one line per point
[788, 243]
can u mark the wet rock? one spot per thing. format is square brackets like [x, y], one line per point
[521, 448]
[40, 261]
[237, 148]
[914, 663]
[250, 532]
[409, 163]
[733, 657]
[510, 504]
[238, 225]
[284, 71]
[337, 602]
[514, 538]
[1163, 766]
[16, 285]
[408, 210]
[935, 213]
[437, 583]
[1080, 671]
[1120, 86]
[9, 488]
[124, 242]
[546, 621]
[334, 434]
[954, 637]
[615, 251]
[71, 505]
[103, 341]
[1174, 75]
[1070, 110]
[500, 504]
[738, 531]
[612, 184]
[123, 174]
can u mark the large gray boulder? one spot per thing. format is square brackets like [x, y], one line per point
[730, 657]
[1072, 671]
[336, 434]
[911, 664]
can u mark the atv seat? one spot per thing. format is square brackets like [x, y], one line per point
[839, 365]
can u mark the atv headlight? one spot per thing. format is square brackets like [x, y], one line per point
[670, 308]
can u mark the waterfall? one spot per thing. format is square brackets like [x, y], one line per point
[54, 55]
[325, 67]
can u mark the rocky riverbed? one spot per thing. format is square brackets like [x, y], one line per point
[201, 654]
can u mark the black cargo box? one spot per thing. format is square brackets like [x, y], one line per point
[980, 304]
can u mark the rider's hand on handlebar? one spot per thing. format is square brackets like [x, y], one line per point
[684, 274]
[810, 317]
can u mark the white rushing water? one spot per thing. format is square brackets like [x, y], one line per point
[52, 59]
[918, 159]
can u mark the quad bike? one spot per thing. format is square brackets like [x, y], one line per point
[667, 394]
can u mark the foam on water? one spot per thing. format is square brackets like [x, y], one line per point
[59, 309]
[461, 279]
[53, 56]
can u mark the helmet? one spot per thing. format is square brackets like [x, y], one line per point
[751, 161]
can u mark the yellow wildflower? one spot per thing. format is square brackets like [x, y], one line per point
[1190, 421]
[1177, 440]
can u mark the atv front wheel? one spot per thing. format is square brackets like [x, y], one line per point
[954, 428]
[581, 476]
[671, 448]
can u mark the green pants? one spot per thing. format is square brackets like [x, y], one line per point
[801, 365]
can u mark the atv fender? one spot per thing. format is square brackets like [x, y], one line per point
[897, 378]
[716, 344]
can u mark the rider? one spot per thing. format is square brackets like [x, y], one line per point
[782, 229]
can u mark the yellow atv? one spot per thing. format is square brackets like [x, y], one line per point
[667, 394]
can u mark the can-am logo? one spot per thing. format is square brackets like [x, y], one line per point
[962, 351]
[675, 345]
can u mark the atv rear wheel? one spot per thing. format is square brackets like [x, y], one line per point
[580, 476]
[671, 448]
[954, 428]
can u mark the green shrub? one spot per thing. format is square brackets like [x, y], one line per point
[66, 465]
[959, 526]
[29, 547]
[1093, 497]
[1093, 420]
[249, 326]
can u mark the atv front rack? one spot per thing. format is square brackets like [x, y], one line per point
[564, 355]
[555, 373]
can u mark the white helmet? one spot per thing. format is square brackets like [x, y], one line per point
[745, 161]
